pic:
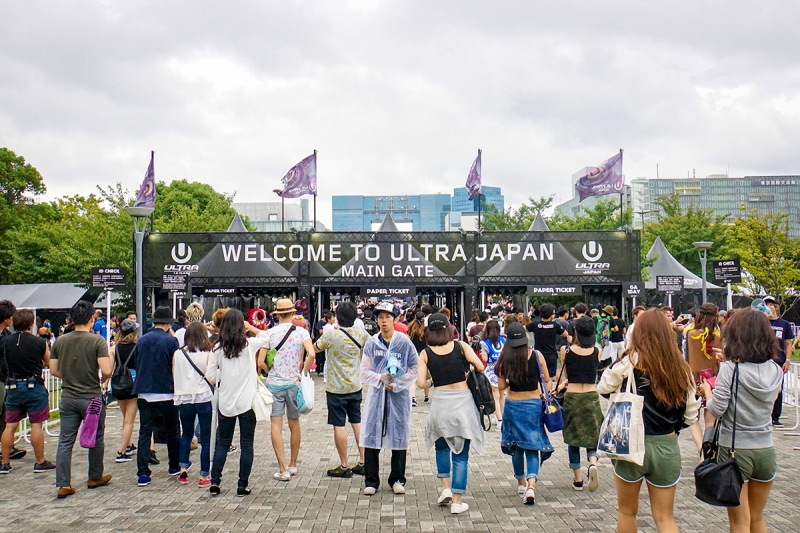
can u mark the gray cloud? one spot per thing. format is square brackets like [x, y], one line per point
[396, 96]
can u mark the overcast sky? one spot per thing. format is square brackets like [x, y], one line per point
[397, 96]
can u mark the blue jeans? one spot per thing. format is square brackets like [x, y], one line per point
[525, 458]
[460, 460]
[188, 412]
[574, 453]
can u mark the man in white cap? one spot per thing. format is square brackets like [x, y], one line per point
[388, 369]
[785, 334]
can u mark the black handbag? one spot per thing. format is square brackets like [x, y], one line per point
[558, 395]
[716, 483]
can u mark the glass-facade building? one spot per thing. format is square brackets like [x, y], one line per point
[422, 212]
[721, 194]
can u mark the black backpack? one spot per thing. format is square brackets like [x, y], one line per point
[122, 380]
[481, 390]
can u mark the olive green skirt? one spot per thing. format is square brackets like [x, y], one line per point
[582, 419]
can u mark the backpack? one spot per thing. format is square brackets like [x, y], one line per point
[122, 380]
[370, 326]
[481, 390]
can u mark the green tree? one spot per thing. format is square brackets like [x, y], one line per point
[192, 206]
[679, 228]
[604, 215]
[512, 219]
[765, 251]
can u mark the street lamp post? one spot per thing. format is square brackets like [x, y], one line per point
[703, 246]
[139, 216]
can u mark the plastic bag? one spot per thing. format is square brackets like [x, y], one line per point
[305, 395]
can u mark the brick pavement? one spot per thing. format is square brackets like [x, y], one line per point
[311, 502]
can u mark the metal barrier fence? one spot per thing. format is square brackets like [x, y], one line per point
[53, 385]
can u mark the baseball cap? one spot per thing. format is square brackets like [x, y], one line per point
[516, 335]
[770, 299]
[385, 307]
[128, 326]
[584, 329]
[437, 321]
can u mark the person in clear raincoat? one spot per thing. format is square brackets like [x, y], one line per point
[388, 369]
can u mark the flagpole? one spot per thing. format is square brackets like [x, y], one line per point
[282, 214]
[480, 193]
[621, 193]
[315, 194]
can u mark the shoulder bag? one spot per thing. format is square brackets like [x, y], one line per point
[272, 352]
[122, 380]
[716, 483]
[622, 430]
[197, 369]
[352, 339]
[552, 413]
[481, 390]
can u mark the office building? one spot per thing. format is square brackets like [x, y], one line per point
[721, 194]
[266, 216]
[422, 212]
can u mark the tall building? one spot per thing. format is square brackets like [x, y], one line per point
[573, 206]
[266, 216]
[422, 212]
[721, 194]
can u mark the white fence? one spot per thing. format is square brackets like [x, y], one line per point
[53, 385]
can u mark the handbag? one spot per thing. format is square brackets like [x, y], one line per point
[558, 395]
[622, 430]
[552, 413]
[88, 437]
[305, 395]
[122, 380]
[716, 483]
[262, 401]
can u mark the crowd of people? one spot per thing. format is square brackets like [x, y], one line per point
[187, 377]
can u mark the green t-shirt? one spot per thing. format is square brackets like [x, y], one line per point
[77, 354]
[342, 358]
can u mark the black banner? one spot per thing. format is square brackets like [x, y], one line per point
[109, 278]
[174, 281]
[633, 289]
[388, 292]
[555, 290]
[727, 271]
[669, 284]
[219, 291]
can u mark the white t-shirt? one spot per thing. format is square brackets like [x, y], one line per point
[236, 376]
[286, 367]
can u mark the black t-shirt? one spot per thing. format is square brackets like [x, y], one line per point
[24, 356]
[545, 334]
[370, 326]
[617, 336]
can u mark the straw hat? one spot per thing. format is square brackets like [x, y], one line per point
[284, 306]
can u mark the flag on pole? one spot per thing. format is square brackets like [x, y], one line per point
[605, 179]
[301, 179]
[147, 193]
[473, 184]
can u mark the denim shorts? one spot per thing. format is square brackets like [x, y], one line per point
[24, 402]
[284, 402]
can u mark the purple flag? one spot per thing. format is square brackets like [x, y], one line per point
[301, 179]
[605, 179]
[473, 184]
[147, 193]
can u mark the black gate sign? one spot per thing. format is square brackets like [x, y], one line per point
[633, 289]
[727, 271]
[669, 284]
[555, 290]
[109, 278]
[174, 281]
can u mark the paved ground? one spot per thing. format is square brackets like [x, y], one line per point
[312, 502]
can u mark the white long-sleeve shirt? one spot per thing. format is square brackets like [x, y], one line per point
[236, 376]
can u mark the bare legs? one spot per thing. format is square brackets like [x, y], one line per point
[37, 441]
[499, 401]
[129, 410]
[276, 432]
[340, 439]
[749, 516]
[662, 504]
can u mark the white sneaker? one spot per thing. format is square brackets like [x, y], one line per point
[521, 489]
[398, 488]
[594, 481]
[529, 498]
[282, 476]
[369, 491]
[446, 497]
[458, 508]
[292, 470]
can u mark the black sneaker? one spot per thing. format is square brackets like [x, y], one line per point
[777, 424]
[241, 493]
[413, 402]
[5, 469]
[214, 490]
[232, 449]
[130, 450]
[340, 471]
[16, 453]
[153, 459]
[577, 485]
[44, 466]
[359, 469]
[123, 458]
[426, 400]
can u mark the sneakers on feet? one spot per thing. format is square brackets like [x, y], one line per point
[398, 488]
[577, 485]
[153, 459]
[358, 469]
[594, 480]
[446, 497]
[176, 471]
[529, 498]
[282, 476]
[458, 508]
[214, 490]
[369, 491]
[241, 493]
[426, 400]
[42, 467]
[183, 478]
[292, 470]
[5, 469]
[143, 481]
[521, 489]
[340, 471]
[777, 425]
[123, 458]
[232, 449]
[16, 453]
[203, 483]
[130, 450]
[413, 402]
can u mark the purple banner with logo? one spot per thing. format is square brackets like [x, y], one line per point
[473, 184]
[147, 193]
[301, 179]
[605, 179]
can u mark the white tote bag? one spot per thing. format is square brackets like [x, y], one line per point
[305, 395]
[622, 432]
[262, 402]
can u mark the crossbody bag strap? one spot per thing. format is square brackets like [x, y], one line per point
[197, 369]
[351, 338]
[130, 356]
[285, 338]
[735, 400]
